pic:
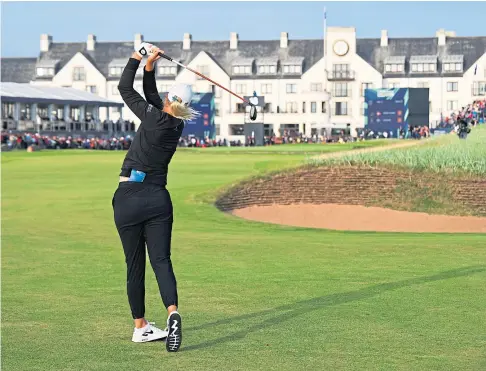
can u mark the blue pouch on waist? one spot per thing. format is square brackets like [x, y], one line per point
[137, 176]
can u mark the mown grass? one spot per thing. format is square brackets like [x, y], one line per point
[253, 296]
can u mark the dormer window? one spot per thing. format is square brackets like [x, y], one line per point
[166, 68]
[267, 66]
[46, 68]
[423, 64]
[116, 67]
[292, 66]
[453, 64]
[395, 64]
[45, 71]
[242, 66]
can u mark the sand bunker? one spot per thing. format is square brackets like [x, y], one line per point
[361, 218]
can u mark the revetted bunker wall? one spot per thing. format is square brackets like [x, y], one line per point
[398, 189]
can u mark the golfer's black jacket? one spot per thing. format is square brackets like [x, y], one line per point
[158, 134]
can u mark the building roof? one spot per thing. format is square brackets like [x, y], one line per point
[262, 51]
[28, 93]
[20, 70]
[472, 48]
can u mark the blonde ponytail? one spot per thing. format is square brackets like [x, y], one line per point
[183, 112]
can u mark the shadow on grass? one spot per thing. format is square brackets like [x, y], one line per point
[291, 311]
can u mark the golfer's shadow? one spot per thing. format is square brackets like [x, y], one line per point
[291, 311]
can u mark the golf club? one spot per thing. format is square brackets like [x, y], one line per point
[253, 110]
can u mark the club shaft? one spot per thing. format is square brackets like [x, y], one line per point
[204, 77]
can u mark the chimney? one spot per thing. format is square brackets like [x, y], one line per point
[441, 36]
[284, 39]
[45, 42]
[138, 40]
[384, 38]
[233, 40]
[90, 45]
[186, 44]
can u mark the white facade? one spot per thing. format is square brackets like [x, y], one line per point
[329, 94]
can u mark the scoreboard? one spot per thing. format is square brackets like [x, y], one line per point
[386, 109]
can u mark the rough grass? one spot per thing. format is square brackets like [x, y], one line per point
[446, 154]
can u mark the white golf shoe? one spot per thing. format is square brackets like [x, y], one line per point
[148, 333]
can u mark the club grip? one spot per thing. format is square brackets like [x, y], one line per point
[165, 56]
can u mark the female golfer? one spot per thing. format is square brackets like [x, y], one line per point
[142, 205]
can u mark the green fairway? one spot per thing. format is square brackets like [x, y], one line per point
[253, 296]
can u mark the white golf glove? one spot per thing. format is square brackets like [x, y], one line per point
[144, 49]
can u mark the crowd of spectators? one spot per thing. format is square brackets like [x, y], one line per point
[473, 114]
[37, 141]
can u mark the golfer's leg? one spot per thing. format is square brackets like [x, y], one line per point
[133, 241]
[158, 231]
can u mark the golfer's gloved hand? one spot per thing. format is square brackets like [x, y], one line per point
[144, 49]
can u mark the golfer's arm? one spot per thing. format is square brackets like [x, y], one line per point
[133, 100]
[150, 87]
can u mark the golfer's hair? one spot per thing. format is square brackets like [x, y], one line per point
[183, 112]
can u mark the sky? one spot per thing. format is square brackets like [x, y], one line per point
[22, 23]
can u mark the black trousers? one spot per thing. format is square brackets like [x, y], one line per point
[143, 215]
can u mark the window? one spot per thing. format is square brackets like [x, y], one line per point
[267, 108]
[91, 89]
[114, 90]
[323, 107]
[267, 69]
[316, 87]
[423, 67]
[218, 129]
[115, 110]
[266, 89]
[479, 88]
[116, 71]
[236, 130]
[292, 68]
[452, 86]
[303, 107]
[362, 108]
[78, 74]
[451, 105]
[422, 85]
[341, 108]
[216, 109]
[341, 89]
[204, 69]
[340, 70]
[240, 88]
[447, 67]
[240, 70]
[430, 106]
[291, 107]
[240, 108]
[452, 67]
[458, 66]
[364, 86]
[291, 88]
[45, 71]
[394, 67]
[313, 107]
[167, 70]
